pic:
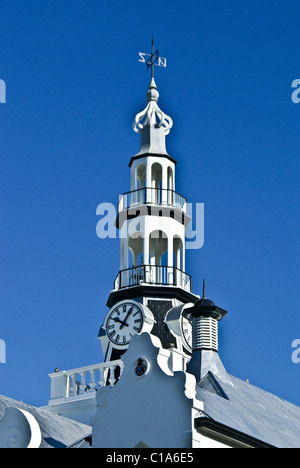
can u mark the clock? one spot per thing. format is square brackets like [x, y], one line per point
[186, 332]
[179, 322]
[126, 319]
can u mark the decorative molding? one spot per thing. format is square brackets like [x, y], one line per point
[19, 429]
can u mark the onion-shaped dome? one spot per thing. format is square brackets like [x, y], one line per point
[152, 115]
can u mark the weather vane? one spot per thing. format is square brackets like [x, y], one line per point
[154, 59]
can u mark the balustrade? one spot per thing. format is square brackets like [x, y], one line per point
[85, 381]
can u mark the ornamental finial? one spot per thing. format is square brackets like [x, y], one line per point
[152, 115]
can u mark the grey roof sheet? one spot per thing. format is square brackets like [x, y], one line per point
[251, 410]
[57, 431]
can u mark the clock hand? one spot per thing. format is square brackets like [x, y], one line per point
[125, 321]
[117, 320]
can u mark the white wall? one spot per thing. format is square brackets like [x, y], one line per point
[155, 409]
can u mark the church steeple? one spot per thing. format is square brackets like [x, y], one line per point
[152, 220]
[152, 217]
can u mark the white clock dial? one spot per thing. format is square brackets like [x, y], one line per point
[124, 321]
[186, 331]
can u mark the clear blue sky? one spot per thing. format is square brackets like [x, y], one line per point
[74, 86]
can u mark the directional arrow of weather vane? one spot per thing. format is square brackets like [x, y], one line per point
[153, 59]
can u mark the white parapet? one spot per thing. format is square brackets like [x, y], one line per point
[84, 381]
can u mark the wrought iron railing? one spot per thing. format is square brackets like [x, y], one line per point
[154, 275]
[152, 196]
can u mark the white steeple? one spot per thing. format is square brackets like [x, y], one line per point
[152, 216]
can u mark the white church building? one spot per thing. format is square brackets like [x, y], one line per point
[162, 383]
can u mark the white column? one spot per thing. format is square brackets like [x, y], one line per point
[170, 260]
[134, 258]
[124, 247]
[122, 254]
[124, 279]
[164, 195]
[173, 182]
[178, 258]
[152, 257]
[134, 185]
[126, 253]
[170, 251]
[148, 181]
[146, 254]
[146, 248]
[183, 255]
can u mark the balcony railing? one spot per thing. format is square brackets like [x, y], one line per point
[83, 382]
[152, 196]
[154, 275]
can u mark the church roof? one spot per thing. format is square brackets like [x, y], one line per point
[247, 409]
[56, 431]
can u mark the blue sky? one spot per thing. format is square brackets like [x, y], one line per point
[74, 86]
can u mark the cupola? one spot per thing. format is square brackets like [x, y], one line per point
[205, 318]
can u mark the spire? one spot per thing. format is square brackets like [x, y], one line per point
[152, 57]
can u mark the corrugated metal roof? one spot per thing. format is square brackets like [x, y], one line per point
[250, 410]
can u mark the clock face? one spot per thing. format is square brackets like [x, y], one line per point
[186, 330]
[124, 321]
